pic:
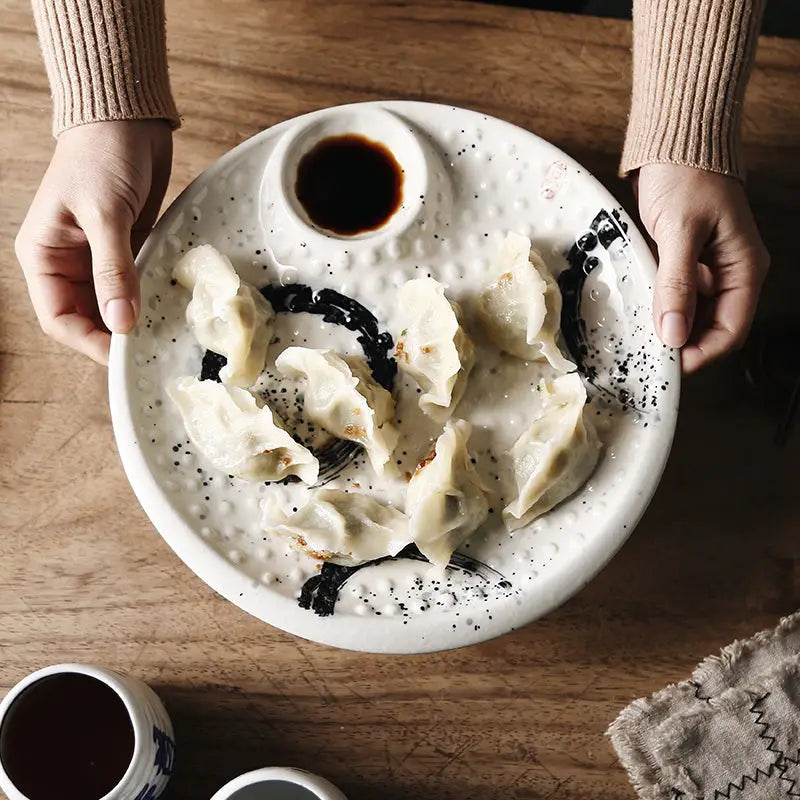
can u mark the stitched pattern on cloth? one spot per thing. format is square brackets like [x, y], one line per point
[717, 730]
[790, 774]
[732, 732]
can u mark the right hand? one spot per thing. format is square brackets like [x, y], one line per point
[712, 261]
[94, 208]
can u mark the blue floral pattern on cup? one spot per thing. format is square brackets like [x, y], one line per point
[149, 792]
[165, 752]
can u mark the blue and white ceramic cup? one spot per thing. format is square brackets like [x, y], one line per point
[279, 783]
[154, 745]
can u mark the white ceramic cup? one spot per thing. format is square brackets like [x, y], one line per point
[278, 783]
[154, 746]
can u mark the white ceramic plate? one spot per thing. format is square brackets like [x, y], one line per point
[477, 178]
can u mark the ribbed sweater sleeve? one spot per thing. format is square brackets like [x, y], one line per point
[691, 63]
[105, 60]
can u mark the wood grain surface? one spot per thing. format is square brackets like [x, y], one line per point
[84, 577]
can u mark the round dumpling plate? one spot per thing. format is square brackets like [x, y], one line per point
[468, 180]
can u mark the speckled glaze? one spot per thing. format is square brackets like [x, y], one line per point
[482, 178]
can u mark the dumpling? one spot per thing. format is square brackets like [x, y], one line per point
[446, 501]
[226, 314]
[236, 435]
[556, 454]
[379, 399]
[338, 526]
[432, 347]
[342, 397]
[521, 310]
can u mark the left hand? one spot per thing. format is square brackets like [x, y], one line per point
[712, 261]
[95, 206]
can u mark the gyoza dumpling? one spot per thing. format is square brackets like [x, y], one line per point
[432, 347]
[556, 454]
[236, 435]
[342, 397]
[446, 501]
[521, 310]
[226, 314]
[338, 526]
[379, 399]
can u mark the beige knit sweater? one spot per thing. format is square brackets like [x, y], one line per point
[106, 60]
[691, 62]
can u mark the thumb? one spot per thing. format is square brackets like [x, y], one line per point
[116, 282]
[676, 284]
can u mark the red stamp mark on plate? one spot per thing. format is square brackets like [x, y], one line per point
[554, 179]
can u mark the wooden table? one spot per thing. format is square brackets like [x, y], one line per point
[84, 577]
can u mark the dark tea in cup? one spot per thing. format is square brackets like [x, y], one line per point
[77, 732]
[67, 735]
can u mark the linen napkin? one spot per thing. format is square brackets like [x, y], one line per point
[731, 731]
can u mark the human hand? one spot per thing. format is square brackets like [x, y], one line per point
[712, 261]
[93, 210]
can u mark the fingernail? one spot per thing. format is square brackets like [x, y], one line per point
[674, 329]
[119, 315]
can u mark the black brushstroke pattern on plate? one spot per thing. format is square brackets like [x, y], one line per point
[604, 229]
[337, 309]
[320, 592]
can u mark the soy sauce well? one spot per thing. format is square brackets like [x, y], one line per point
[349, 184]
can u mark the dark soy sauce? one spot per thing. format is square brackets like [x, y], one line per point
[66, 736]
[349, 184]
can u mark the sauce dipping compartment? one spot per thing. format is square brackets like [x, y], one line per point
[354, 177]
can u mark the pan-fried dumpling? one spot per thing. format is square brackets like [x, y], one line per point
[236, 435]
[446, 501]
[432, 347]
[521, 310]
[342, 397]
[556, 455]
[226, 314]
[342, 527]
